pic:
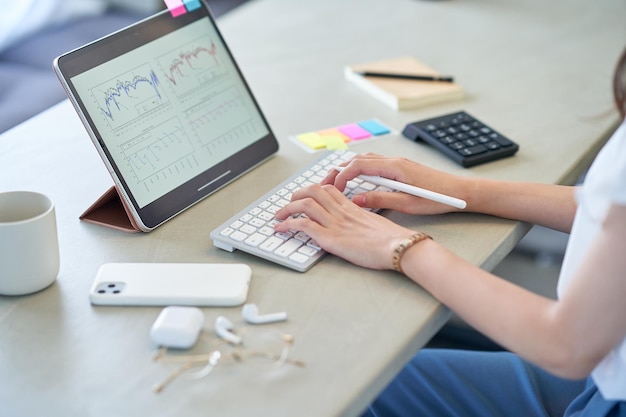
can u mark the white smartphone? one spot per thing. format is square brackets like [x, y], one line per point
[165, 284]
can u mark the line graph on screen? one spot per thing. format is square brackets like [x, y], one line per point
[191, 66]
[129, 95]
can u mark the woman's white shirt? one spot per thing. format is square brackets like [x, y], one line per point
[604, 185]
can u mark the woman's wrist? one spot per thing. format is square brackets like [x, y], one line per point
[403, 246]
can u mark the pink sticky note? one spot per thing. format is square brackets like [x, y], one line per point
[176, 7]
[354, 131]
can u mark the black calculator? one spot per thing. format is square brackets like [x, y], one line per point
[463, 138]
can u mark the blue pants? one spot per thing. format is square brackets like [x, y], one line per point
[458, 383]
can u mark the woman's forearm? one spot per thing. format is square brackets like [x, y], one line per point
[552, 206]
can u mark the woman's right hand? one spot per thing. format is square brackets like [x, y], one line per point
[403, 170]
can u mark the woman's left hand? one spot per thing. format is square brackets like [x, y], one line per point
[341, 227]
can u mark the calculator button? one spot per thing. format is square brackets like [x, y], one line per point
[447, 140]
[474, 150]
[504, 142]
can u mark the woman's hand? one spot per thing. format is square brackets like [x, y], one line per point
[403, 170]
[341, 227]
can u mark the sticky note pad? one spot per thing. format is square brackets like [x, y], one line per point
[312, 140]
[334, 142]
[340, 137]
[192, 4]
[354, 131]
[374, 127]
[176, 7]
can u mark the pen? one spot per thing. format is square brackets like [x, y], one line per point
[442, 78]
[410, 189]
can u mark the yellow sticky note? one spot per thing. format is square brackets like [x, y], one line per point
[334, 142]
[312, 140]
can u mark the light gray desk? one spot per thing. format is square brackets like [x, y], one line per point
[538, 71]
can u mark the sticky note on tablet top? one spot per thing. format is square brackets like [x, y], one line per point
[192, 4]
[176, 7]
[180, 7]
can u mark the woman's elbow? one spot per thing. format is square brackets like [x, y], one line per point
[570, 362]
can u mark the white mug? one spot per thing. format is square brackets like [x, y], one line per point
[29, 247]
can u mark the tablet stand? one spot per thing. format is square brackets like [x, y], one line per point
[110, 211]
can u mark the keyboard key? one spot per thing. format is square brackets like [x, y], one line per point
[307, 250]
[227, 231]
[288, 247]
[271, 244]
[255, 240]
[267, 231]
[257, 222]
[298, 258]
[238, 236]
[247, 229]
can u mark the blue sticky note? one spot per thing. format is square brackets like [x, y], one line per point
[374, 127]
[192, 4]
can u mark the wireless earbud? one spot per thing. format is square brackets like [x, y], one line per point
[223, 328]
[250, 313]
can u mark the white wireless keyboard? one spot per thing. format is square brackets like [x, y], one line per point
[252, 229]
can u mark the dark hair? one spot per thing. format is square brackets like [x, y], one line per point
[619, 84]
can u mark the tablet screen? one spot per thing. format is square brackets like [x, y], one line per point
[169, 108]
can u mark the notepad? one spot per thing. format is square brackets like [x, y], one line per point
[403, 94]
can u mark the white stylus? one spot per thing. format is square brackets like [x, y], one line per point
[410, 189]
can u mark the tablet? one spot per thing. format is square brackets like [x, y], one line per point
[168, 110]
